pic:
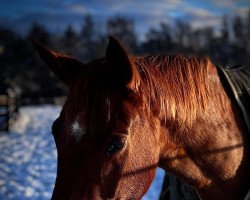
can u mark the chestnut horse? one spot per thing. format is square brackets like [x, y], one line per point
[126, 116]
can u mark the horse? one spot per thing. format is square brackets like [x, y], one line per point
[127, 115]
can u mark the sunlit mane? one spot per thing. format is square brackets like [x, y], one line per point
[175, 87]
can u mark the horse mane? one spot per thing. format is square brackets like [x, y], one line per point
[175, 87]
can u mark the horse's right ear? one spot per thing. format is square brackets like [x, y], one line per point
[66, 68]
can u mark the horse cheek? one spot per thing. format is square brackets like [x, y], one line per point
[142, 163]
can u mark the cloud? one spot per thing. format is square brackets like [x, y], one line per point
[149, 7]
[209, 22]
[198, 12]
[224, 3]
[242, 11]
[200, 17]
[77, 8]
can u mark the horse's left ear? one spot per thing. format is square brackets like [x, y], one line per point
[119, 63]
[66, 68]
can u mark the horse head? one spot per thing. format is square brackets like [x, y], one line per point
[125, 116]
[108, 144]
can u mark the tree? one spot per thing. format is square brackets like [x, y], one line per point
[182, 34]
[87, 31]
[36, 79]
[208, 39]
[39, 33]
[69, 41]
[197, 41]
[224, 47]
[239, 31]
[158, 41]
[225, 30]
[123, 29]
[8, 40]
[87, 38]
[248, 32]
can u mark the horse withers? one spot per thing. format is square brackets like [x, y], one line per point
[125, 116]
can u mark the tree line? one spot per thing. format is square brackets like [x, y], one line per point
[22, 69]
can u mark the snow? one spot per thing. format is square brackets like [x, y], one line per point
[28, 157]
[20, 123]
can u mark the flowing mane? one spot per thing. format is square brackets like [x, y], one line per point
[175, 86]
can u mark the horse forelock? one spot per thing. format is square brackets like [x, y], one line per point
[176, 87]
[89, 100]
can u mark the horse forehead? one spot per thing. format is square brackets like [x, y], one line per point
[77, 130]
[96, 67]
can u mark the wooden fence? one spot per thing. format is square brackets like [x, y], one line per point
[8, 110]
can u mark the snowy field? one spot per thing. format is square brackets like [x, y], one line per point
[28, 157]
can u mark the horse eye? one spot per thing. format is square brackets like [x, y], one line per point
[115, 146]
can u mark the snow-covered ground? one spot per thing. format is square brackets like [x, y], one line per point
[28, 157]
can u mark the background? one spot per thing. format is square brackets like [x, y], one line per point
[219, 29]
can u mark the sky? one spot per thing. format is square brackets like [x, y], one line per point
[56, 15]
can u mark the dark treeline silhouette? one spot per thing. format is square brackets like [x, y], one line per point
[23, 70]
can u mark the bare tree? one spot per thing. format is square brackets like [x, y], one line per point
[123, 29]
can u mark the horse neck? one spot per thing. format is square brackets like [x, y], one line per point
[211, 153]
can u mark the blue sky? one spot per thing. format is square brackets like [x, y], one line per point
[58, 14]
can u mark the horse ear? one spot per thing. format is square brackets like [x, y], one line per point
[66, 68]
[119, 63]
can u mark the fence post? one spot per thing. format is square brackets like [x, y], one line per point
[7, 114]
[4, 113]
[8, 108]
